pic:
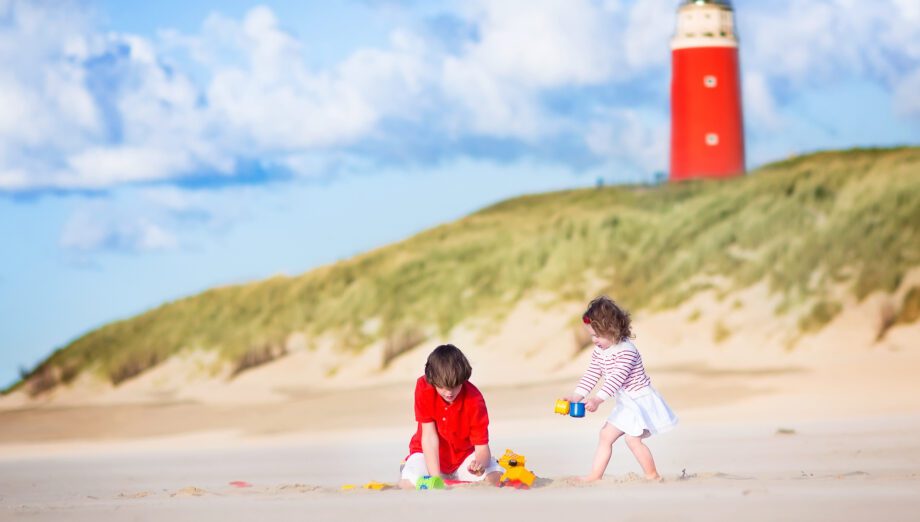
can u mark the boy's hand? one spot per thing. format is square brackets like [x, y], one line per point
[592, 404]
[475, 468]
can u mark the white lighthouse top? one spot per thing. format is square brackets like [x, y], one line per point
[704, 23]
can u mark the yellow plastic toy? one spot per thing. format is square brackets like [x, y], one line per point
[562, 407]
[516, 474]
[377, 486]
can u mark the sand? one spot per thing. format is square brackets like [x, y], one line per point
[851, 469]
[825, 429]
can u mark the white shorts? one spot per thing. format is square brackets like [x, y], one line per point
[415, 468]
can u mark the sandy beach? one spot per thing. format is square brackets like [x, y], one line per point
[767, 468]
[851, 472]
[827, 429]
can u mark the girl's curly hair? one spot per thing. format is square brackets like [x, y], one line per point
[608, 319]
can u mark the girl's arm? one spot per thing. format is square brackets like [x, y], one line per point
[589, 379]
[430, 448]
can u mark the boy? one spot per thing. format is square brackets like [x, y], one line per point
[452, 439]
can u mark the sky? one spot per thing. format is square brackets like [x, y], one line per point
[152, 150]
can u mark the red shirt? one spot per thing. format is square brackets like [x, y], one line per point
[461, 424]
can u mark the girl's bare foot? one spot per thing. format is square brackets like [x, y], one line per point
[654, 478]
[587, 479]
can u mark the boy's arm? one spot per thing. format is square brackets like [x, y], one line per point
[430, 448]
[482, 459]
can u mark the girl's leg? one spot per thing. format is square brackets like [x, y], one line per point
[609, 435]
[643, 455]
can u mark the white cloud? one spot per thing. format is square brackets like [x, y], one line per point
[14, 179]
[105, 166]
[648, 34]
[631, 136]
[44, 102]
[809, 42]
[148, 121]
[907, 95]
[83, 109]
[272, 101]
[526, 47]
[147, 219]
[94, 228]
[760, 108]
[490, 106]
[178, 209]
[80, 107]
[544, 44]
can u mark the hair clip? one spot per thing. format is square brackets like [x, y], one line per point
[586, 319]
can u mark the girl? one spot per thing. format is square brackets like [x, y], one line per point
[639, 411]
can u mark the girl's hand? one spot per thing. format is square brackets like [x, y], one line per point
[592, 404]
[573, 398]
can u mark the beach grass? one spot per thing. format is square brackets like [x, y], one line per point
[807, 226]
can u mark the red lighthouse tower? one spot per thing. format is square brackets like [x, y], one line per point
[707, 131]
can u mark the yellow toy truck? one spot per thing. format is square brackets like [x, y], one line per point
[516, 475]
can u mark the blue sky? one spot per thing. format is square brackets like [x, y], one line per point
[149, 151]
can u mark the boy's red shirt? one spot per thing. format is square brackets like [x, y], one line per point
[461, 424]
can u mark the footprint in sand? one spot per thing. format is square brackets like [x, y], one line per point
[299, 488]
[729, 476]
[852, 474]
[138, 494]
[629, 478]
[711, 475]
[190, 491]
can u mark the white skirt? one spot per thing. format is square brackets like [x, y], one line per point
[641, 410]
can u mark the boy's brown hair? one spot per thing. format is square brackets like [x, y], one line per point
[608, 319]
[447, 367]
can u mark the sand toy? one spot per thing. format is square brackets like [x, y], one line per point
[575, 409]
[516, 474]
[429, 482]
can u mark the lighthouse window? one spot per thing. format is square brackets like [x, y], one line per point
[712, 139]
[710, 81]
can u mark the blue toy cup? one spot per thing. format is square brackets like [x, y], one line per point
[577, 409]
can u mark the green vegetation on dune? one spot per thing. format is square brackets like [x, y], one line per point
[807, 226]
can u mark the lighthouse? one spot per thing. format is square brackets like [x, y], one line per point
[707, 129]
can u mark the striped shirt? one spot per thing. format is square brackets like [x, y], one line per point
[620, 366]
